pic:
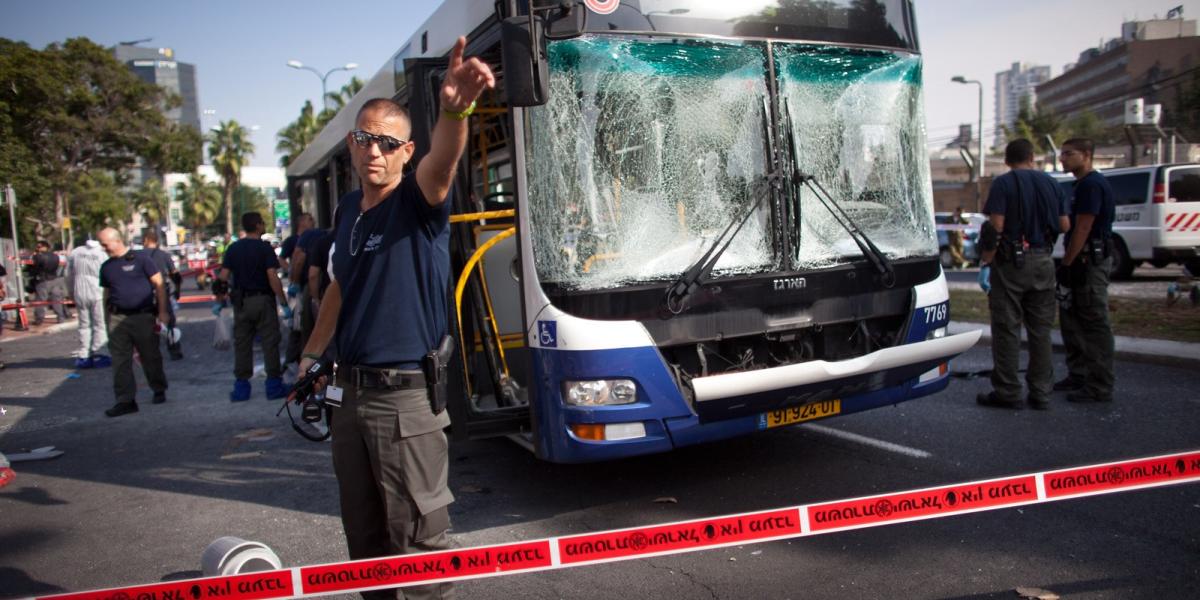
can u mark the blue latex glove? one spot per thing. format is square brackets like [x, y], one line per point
[287, 311]
[216, 309]
[293, 290]
[985, 274]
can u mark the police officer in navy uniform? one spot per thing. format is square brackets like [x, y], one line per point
[391, 268]
[1087, 332]
[1028, 210]
[48, 283]
[172, 278]
[134, 295]
[252, 266]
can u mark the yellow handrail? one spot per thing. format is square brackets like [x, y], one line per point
[479, 216]
[462, 283]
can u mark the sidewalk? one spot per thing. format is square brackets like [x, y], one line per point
[1162, 352]
[48, 327]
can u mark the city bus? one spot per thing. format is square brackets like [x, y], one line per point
[676, 222]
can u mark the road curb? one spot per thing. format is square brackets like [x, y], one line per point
[1160, 352]
[24, 335]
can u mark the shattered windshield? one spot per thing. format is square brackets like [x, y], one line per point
[859, 129]
[644, 153]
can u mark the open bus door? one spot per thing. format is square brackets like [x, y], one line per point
[490, 370]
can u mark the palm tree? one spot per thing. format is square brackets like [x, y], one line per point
[201, 201]
[229, 150]
[293, 139]
[342, 97]
[151, 201]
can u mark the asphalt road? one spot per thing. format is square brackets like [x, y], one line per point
[136, 499]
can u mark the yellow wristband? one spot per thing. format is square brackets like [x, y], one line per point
[459, 116]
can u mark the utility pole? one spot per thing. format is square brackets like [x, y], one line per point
[12, 219]
[979, 160]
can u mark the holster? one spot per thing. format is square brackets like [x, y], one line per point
[1097, 249]
[435, 366]
[1011, 253]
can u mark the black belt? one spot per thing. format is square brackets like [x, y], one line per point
[133, 311]
[1041, 249]
[395, 379]
[252, 293]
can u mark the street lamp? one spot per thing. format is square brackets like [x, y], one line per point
[979, 158]
[295, 64]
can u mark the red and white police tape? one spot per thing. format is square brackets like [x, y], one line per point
[673, 538]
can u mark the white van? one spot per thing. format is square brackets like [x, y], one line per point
[1157, 216]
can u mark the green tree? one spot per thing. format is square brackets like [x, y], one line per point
[229, 150]
[252, 199]
[1186, 114]
[297, 135]
[150, 201]
[1087, 125]
[99, 202]
[72, 108]
[201, 202]
[342, 97]
[176, 148]
[1034, 123]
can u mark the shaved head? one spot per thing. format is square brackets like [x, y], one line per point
[111, 240]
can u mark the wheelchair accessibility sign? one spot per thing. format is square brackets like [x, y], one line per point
[548, 334]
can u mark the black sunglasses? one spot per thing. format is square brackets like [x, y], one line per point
[386, 143]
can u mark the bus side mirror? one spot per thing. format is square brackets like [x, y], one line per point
[526, 71]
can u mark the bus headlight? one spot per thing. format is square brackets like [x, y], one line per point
[938, 333]
[600, 392]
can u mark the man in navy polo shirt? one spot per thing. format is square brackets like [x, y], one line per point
[133, 295]
[1087, 333]
[387, 307]
[252, 265]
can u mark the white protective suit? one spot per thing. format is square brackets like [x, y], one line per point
[83, 276]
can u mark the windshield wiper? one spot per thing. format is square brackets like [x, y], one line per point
[691, 279]
[877, 258]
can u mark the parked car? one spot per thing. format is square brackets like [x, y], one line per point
[1157, 216]
[970, 236]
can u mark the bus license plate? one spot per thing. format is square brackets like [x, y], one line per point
[799, 414]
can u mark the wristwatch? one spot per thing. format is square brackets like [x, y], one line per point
[459, 116]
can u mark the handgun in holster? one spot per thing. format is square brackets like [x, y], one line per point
[1097, 249]
[435, 366]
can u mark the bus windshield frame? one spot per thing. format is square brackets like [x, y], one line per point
[881, 23]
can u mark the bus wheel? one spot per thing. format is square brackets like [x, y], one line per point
[1122, 266]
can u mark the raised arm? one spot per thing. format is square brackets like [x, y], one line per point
[465, 81]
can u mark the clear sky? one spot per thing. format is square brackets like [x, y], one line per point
[241, 48]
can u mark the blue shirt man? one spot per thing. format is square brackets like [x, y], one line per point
[133, 293]
[391, 256]
[1087, 332]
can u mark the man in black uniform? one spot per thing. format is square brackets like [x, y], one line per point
[49, 284]
[174, 282]
[1029, 210]
[254, 269]
[391, 268]
[304, 223]
[133, 288]
[1087, 333]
